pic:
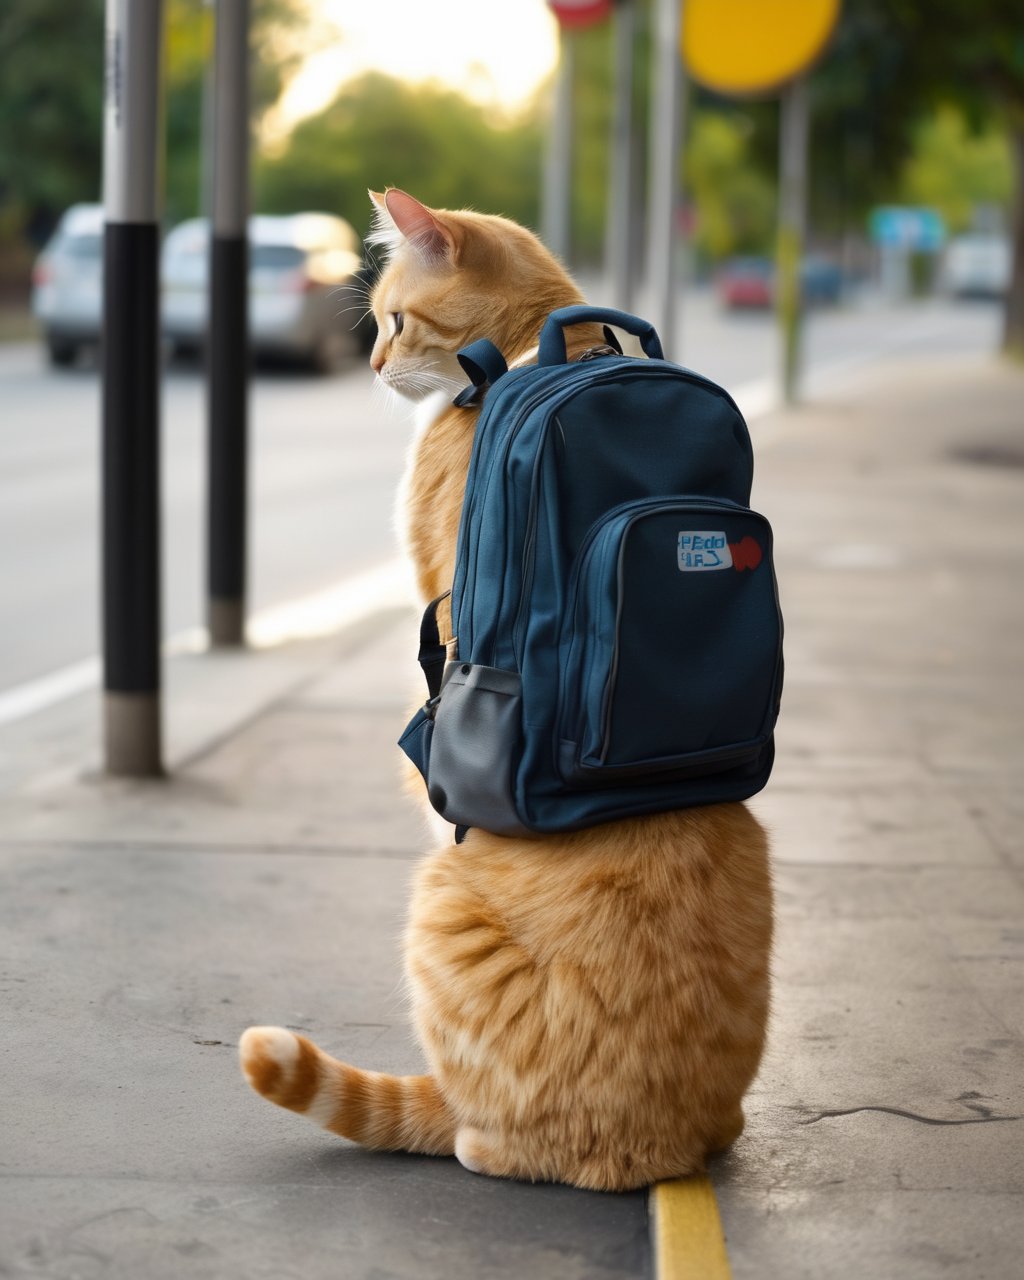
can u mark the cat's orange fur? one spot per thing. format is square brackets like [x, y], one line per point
[592, 1005]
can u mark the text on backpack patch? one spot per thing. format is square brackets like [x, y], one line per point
[700, 550]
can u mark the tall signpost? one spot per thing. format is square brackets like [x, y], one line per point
[792, 228]
[131, 441]
[666, 139]
[556, 199]
[781, 41]
[619, 234]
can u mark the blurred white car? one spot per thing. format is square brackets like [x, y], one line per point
[977, 265]
[304, 270]
[307, 286]
[67, 283]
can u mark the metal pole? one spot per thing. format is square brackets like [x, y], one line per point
[228, 343]
[792, 219]
[619, 236]
[666, 141]
[556, 213]
[206, 115]
[130, 361]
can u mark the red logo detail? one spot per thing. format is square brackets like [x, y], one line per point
[746, 554]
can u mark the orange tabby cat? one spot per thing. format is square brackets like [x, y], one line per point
[592, 1005]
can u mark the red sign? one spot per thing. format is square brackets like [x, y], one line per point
[574, 14]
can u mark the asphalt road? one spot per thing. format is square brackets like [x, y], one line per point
[326, 459]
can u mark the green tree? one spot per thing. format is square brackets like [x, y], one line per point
[51, 102]
[276, 45]
[734, 201]
[953, 169]
[382, 132]
[974, 55]
[894, 63]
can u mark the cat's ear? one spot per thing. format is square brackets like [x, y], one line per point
[432, 239]
[383, 232]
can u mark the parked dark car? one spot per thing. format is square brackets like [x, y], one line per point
[821, 281]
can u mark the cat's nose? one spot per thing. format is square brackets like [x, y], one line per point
[377, 361]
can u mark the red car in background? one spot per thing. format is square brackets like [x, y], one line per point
[747, 282]
[750, 282]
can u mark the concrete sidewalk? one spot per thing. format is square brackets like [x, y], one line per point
[144, 926]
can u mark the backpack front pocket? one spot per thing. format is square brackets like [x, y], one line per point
[672, 640]
[474, 746]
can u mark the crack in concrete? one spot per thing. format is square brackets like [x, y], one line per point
[906, 1115]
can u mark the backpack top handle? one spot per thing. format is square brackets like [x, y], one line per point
[552, 335]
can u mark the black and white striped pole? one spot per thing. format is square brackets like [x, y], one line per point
[228, 343]
[131, 490]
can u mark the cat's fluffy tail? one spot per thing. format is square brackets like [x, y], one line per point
[389, 1113]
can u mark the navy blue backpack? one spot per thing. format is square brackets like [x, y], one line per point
[617, 630]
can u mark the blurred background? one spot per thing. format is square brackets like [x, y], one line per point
[912, 104]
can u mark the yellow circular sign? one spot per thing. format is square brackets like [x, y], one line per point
[752, 46]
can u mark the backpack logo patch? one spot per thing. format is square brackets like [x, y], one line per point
[701, 550]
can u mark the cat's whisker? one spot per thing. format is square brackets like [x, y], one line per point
[429, 383]
[393, 401]
[442, 381]
[360, 291]
[357, 321]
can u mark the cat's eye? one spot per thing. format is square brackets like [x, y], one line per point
[398, 320]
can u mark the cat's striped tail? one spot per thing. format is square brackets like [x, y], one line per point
[388, 1113]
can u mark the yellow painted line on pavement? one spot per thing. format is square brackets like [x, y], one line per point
[686, 1231]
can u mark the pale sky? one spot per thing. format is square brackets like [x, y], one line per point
[495, 51]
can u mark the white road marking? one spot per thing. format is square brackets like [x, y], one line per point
[320, 614]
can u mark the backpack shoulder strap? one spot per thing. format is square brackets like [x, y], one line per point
[433, 654]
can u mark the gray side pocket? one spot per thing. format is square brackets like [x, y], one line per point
[474, 748]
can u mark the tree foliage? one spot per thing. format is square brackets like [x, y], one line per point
[927, 55]
[275, 50]
[877, 98]
[974, 55]
[382, 132]
[51, 102]
[734, 201]
[954, 169]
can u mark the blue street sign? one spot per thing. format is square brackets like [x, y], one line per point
[903, 227]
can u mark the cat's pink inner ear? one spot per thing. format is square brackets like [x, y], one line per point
[420, 227]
